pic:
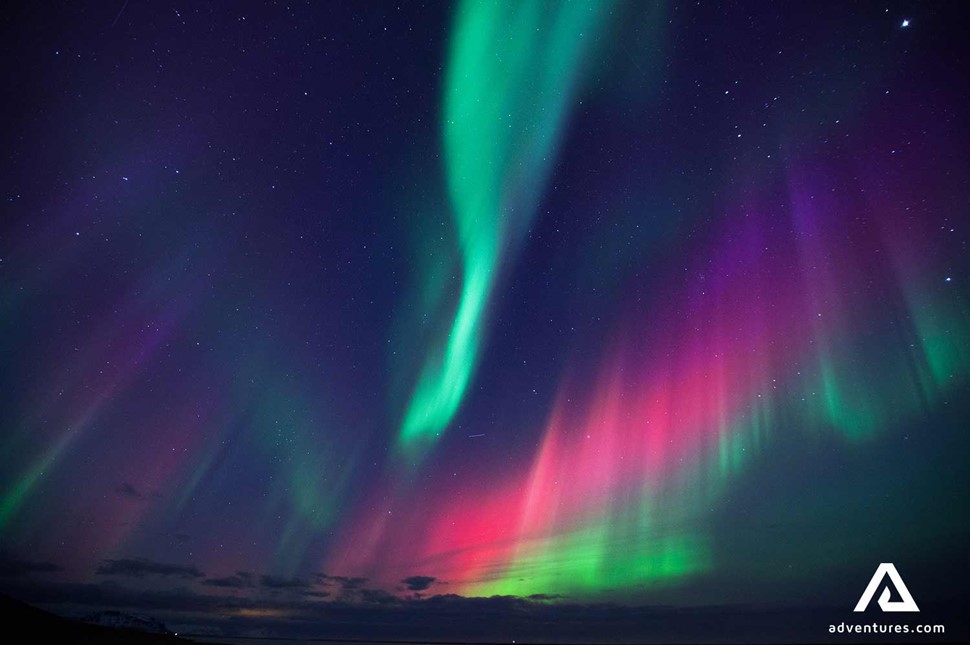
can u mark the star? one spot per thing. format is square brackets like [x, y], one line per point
[905, 23]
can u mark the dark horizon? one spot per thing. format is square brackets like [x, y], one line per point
[441, 620]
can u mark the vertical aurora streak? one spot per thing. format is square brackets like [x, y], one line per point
[512, 72]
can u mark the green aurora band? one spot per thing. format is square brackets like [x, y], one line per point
[513, 68]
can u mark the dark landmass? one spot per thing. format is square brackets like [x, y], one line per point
[41, 626]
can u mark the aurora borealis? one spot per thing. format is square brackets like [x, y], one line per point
[505, 99]
[429, 321]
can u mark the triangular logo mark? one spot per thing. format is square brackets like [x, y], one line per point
[887, 569]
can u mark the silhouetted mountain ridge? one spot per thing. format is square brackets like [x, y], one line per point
[37, 625]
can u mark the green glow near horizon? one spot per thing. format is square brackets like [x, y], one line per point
[511, 72]
[597, 558]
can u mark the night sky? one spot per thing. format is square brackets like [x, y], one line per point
[463, 321]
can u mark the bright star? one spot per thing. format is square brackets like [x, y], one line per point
[905, 23]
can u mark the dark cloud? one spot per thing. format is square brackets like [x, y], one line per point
[12, 566]
[239, 580]
[418, 583]
[273, 582]
[545, 596]
[315, 594]
[126, 489]
[344, 582]
[141, 567]
[377, 597]
[111, 595]
[379, 616]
